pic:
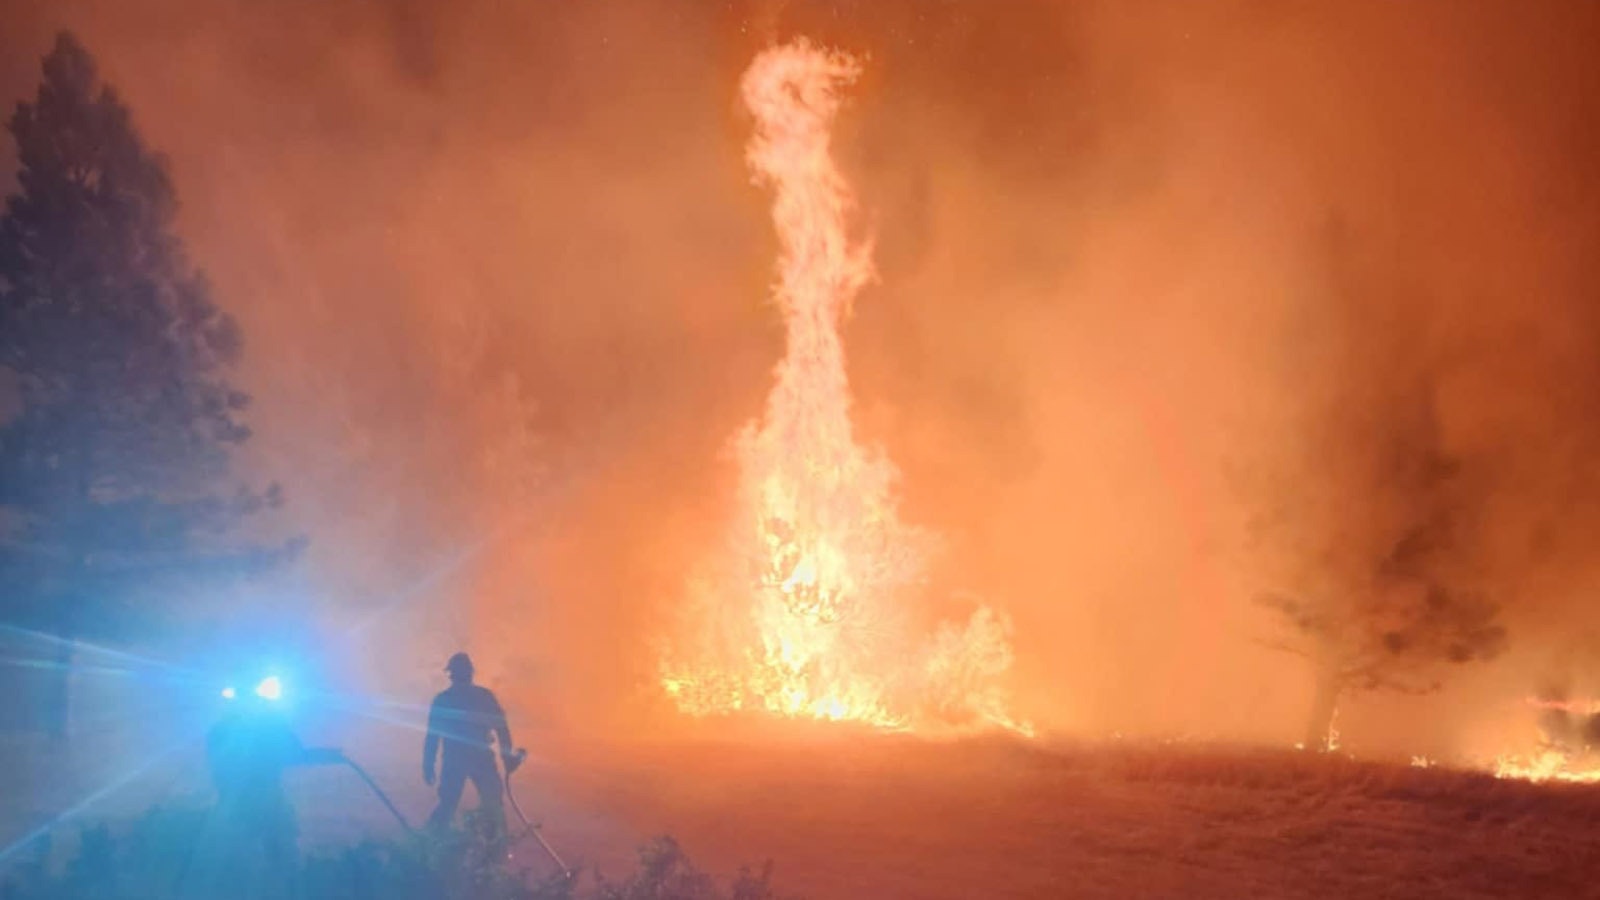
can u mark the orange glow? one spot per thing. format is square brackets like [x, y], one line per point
[812, 614]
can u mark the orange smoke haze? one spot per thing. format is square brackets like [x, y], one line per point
[1144, 270]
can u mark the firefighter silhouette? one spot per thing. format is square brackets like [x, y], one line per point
[254, 832]
[462, 719]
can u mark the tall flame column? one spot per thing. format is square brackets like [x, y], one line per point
[820, 607]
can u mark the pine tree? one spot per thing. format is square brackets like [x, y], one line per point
[114, 472]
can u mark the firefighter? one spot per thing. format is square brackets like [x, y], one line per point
[248, 750]
[463, 717]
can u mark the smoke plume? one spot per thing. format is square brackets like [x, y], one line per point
[504, 287]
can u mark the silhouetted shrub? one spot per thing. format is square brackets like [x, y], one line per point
[173, 855]
[665, 873]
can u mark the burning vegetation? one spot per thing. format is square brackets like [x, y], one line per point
[1568, 748]
[1190, 253]
[811, 611]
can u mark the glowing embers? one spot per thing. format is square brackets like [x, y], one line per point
[815, 610]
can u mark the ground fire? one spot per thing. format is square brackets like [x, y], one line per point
[807, 616]
[1568, 747]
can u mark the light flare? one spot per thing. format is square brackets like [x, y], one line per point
[814, 612]
[270, 688]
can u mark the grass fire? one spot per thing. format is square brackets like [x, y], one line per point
[798, 448]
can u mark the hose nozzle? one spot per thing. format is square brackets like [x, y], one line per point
[515, 759]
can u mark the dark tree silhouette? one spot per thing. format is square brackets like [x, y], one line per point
[1382, 603]
[114, 468]
[1374, 524]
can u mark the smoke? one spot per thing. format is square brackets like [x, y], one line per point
[504, 281]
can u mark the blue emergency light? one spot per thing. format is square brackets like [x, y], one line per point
[269, 688]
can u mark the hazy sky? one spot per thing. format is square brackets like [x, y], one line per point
[1148, 271]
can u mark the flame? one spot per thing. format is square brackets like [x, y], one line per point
[1547, 765]
[811, 614]
[1560, 755]
[1573, 707]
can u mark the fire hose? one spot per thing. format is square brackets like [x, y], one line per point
[513, 761]
[378, 791]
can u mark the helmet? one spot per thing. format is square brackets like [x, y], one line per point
[459, 664]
